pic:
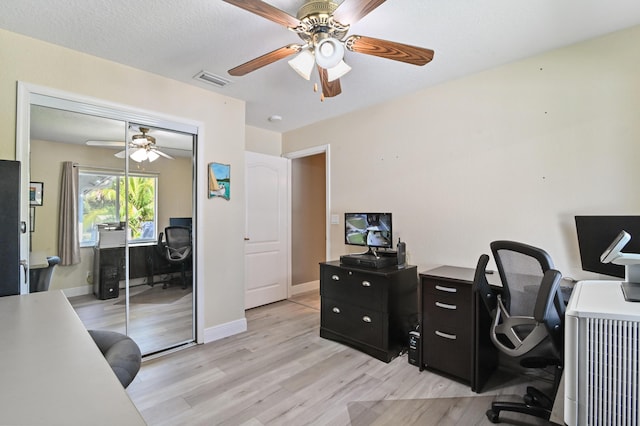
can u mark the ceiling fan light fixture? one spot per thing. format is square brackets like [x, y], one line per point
[303, 64]
[329, 52]
[338, 71]
[139, 155]
[152, 156]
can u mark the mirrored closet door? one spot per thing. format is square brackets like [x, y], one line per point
[134, 217]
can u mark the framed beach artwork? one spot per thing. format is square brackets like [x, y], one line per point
[220, 180]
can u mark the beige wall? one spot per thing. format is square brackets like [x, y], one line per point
[511, 153]
[221, 225]
[263, 141]
[174, 197]
[307, 218]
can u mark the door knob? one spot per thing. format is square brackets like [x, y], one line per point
[25, 266]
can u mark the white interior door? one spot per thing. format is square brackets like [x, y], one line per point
[266, 229]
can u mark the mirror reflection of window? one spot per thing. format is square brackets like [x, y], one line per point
[102, 204]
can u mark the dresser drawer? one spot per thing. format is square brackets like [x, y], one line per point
[446, 351]
[363, 325]
[360, 289]
[444, 287]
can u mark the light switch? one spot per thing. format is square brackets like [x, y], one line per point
[335, 219]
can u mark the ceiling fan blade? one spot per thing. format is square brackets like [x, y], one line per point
[105, 143]
[121, 154]
[389, 50]
[266, 11]
[351, 11]
[157, 151]
[265, 59]
[329, 88]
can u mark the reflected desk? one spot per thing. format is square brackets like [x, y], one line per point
[38, 260]
[109, 267]
[52, 372]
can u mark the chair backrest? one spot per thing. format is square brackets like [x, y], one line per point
[177, 236]
[41, 279]
[481, 285]
[521, 268]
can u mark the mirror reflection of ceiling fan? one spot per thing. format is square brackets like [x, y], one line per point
[323, 26]
[141, 148]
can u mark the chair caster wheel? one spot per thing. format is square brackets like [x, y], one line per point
[493, 416]
[529, 400]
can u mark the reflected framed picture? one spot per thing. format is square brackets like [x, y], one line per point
[220, 180]
[36, 190]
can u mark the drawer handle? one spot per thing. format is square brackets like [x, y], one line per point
[336, 310]
[446, 306]
[446, 335]
[366, 284]
[366, 319]
[447, 289]
[335, 277]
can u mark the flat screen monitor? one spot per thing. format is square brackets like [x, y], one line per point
[180, 221]
[368, 229]
[595, 236]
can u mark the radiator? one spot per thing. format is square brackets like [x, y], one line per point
[602, 376]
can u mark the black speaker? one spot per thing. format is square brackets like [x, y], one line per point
[414, 347]
[402, 253]
[109, 283]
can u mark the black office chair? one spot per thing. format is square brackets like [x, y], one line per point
[177, 249]
[40, 279]
[527, 318]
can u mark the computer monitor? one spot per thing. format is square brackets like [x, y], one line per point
[368, 229]
[595, 236]
[181, 221]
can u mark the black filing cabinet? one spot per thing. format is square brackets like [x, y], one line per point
[372, 310]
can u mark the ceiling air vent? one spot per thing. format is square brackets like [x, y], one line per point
[210, 78]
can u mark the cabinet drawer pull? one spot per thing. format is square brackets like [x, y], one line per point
[336, 310]
[446, 335]
[335, 277]
[366, 284]
[366, 319]
[447, 289]
[446, 306]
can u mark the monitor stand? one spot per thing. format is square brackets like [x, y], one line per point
[631, 287]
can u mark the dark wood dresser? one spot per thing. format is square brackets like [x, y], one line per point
[371, 310]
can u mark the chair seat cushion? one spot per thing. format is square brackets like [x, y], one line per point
[121, 352]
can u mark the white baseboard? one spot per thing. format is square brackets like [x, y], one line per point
[225, 330]
[305, 287]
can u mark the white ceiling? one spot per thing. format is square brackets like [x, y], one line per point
[178, 39]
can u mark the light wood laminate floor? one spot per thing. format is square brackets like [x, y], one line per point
[281, 372]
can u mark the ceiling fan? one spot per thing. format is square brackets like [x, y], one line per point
[142, 147]
[323, 26]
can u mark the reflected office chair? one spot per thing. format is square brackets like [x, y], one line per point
[178, 249]
[527, 318]
[40, 279]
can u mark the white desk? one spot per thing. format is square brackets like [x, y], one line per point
[51, 371]
[601, 349]
[37, 260]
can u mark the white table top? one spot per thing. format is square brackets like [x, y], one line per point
[602, 299]
[51, 371]
[38, 259]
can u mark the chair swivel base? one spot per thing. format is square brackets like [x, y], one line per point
[535, 404]
[493, 414]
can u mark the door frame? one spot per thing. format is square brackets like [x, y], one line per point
[30, 94]
[321, 149]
